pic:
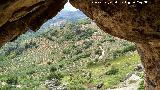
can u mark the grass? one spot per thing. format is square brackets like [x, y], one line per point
[141, 85]
[124, 64]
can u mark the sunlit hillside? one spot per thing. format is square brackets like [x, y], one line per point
[75, 56]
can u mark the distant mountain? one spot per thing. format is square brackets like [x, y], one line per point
[69, 15]
[65, 16]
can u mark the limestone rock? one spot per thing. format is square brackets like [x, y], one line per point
[18, 16]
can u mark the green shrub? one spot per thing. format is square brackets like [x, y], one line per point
[91, 64]
[87, 44]
[98, 52]
[66, 51]
[69, 49]
[77, 51]
[8, 87]
[2, 58]
[53, 69]
[87, 33]
[76, 85]
[141, 85]
[84, 21]
[76, 88]
[112, 71]
[84, 55]
[54, 33]
[81, 55]
[55, 75]
[12, 55]
[124, 50]
[31, 72]
[31, 45]
[12, 80]
[109, 38]
[69, 36]
[129, 48]
[75, 58]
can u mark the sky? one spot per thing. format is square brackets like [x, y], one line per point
[69, 7]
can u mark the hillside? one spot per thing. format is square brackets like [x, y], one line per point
[64, 14]
[64, 17]
[76, 57]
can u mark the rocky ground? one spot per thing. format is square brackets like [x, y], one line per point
[131, 81]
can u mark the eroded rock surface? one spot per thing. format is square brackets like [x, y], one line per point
[135, 22]
[18, 16]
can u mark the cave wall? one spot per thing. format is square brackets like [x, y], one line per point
[18, 16]
[135, 22]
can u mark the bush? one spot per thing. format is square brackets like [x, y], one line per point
[141, 86]
[117, 53]
[53, 69]
[81, 55]
[55, 75]
[2, 58]
[31, 72]
[75, 58]
[129, 48]
[98, 52]
[68, 49]
[69, 36]
[12, 55]
[112, 71]
[84, 21]
[31, 45]
[87, 44]
[87, 33]
[110, 38]
[85, 55]
[77, 51]
[8, 87]
[12, 80]
[75, 87]
[91, 64]
[54, 33]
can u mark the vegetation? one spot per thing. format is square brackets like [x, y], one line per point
[141, 87]
[79, 58]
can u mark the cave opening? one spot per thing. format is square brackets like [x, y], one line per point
[136, 23]
[69, 51]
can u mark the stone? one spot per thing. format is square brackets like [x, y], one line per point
[54, 84]
[139, 68]
[100, 85]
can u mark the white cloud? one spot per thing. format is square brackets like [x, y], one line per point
[69, 7]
